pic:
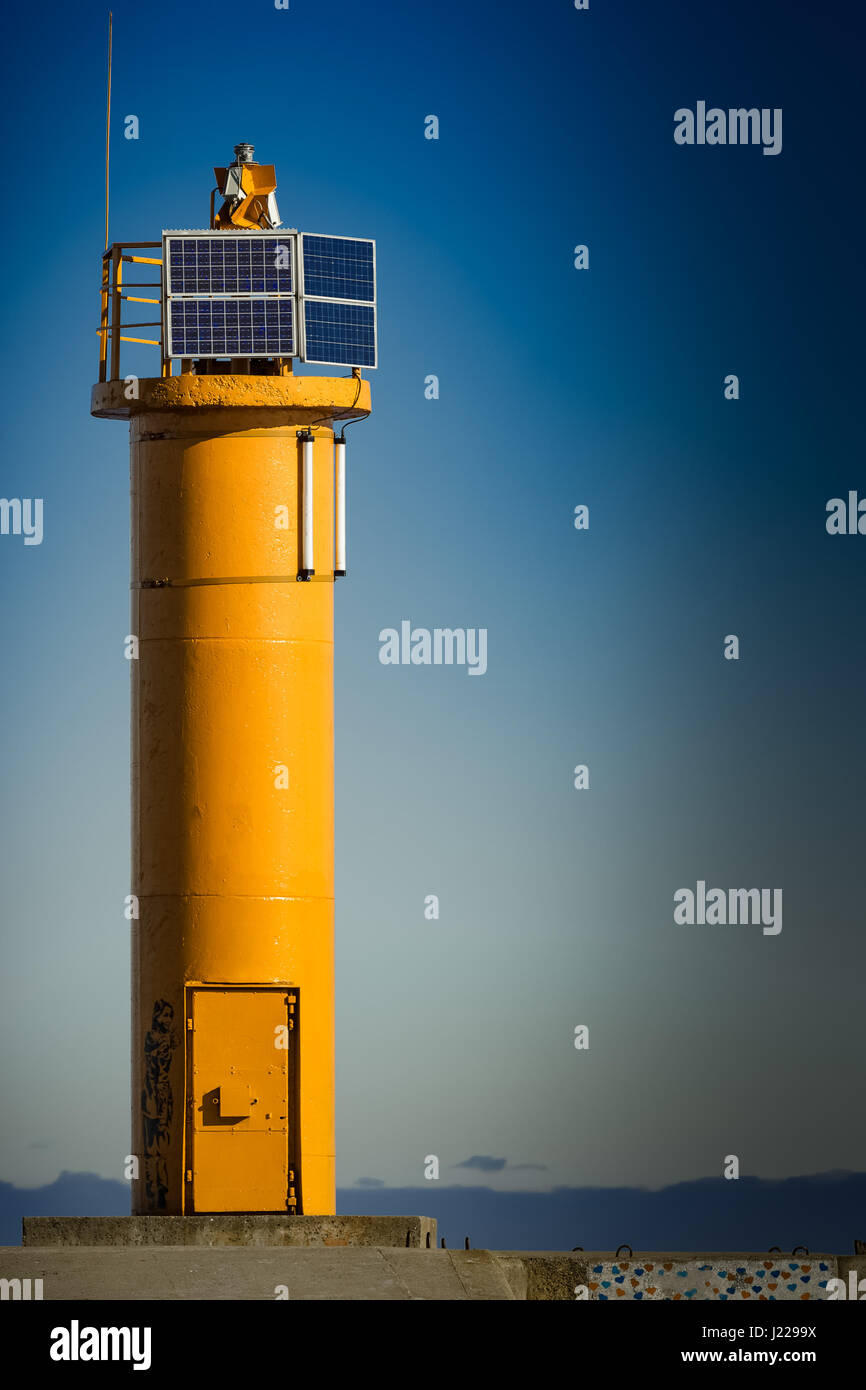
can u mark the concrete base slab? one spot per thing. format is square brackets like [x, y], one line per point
[231, 1228]
[151, 1271]
[158, 1273]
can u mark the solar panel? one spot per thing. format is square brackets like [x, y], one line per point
[339, 334]
[231, 327]
[337, 267]
[237, 294]
[223, 263]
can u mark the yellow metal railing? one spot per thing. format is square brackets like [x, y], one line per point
[113, 293]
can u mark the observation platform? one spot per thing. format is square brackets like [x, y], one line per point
[306, 399]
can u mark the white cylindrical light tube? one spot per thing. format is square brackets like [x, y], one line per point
[340, 507]
[308, 567]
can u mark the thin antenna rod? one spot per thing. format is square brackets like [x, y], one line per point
[107, 129]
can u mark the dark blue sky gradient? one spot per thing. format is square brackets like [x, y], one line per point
[558, 387]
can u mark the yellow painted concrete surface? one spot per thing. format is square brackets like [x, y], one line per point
[306, 397]
[232, 775]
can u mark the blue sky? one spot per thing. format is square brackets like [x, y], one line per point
[557, 387]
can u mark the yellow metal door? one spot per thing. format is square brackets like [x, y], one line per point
[239, 1090]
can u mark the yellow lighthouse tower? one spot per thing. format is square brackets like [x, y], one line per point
[238, 528]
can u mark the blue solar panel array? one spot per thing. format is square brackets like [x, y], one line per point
[227, 264]
[338, 267]
[339, 334]
[234, 295]
[231, 328]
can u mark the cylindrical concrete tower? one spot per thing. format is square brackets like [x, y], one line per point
[232, 788]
